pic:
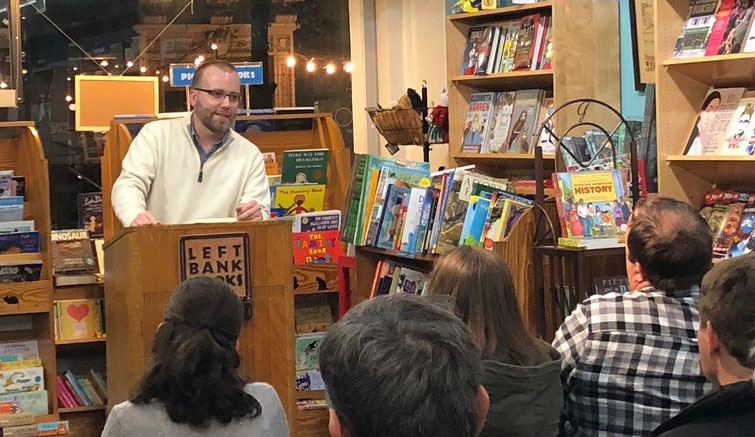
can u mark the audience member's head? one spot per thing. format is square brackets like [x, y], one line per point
[402, 366]
[482, 288]
[727, 320]
[669, 245]
[194, 357]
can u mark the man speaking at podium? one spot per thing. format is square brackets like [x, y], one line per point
[194, 168]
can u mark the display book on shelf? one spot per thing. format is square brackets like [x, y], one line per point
[585, 35]
[298, 194]
[26, 322]
[712, 152]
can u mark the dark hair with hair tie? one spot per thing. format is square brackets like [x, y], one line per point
[194, 369]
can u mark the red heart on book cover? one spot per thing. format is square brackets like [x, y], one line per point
[78, 312]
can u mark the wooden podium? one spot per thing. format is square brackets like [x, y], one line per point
[144, 266]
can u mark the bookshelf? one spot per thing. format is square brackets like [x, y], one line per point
[79, 356]
[21, 151]
[585, 64]
[681, 86]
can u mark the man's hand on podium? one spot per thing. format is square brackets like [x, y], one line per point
[249, 211]
[144, 219]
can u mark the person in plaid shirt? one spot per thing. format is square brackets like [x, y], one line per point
[630, 361]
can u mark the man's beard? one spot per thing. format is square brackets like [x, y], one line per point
[213, 125]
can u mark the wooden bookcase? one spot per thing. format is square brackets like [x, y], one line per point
[585, 37]
[681, 86]
[79, 356]
[324, 133]
[21, 151]
[516, 250]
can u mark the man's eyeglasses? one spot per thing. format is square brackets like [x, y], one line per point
[220, 94]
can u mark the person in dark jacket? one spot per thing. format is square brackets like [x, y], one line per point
[521, 372]
[726, 340]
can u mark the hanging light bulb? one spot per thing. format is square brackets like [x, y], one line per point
[348, 67]
[291, 61]
[214, 47]
[104, 63]
[69, 98]
[72, 107]
[3, 85]
[198, 60]
[75, 68]
[142, 69]
[311, 66]
[330, 68]
[166, 78]
[24, 71]
[129, 64]
[157, 72]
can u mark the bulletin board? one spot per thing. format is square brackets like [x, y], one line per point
[99, 98]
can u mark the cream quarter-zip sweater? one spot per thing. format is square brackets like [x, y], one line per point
[160, 174]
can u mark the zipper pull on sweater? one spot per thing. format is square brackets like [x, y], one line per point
[201, 171]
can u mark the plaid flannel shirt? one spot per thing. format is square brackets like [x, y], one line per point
[630, 361]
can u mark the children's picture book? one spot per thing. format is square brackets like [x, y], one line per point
[28, 271]
[315, 237]
[590, 203]
[307, 349]
[72, 251]
[410, 281]
[20, 380]
[308, 166]
[11, 208]
[500, 122]
[20, 242]
[16, 351]
[32, 402]
[312, 318]
[477, 121]
[298, 199]
[78, 318]
[90, 213]
[309, 380]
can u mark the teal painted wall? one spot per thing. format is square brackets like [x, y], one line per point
[632, 101]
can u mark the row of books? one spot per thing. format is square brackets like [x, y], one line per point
[506, 122]
[725, 124]
[79, 319]
[23, 378]
[716, 27]
[395, 278]
[400, 205]
[731, 217]
[81, 391]
[521, 44]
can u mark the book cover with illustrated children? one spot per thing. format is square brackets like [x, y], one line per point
[309, 166]
[306, 350]
[592, 204]
[477, 121]
[298, 199]
[90, 213]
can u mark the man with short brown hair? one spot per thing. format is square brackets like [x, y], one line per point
[726, 340]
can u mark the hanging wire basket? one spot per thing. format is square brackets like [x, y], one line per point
[400, 127]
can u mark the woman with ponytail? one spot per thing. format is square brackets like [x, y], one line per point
[192, 387]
